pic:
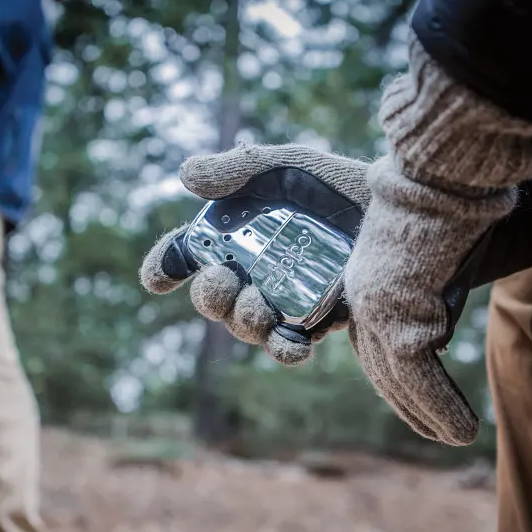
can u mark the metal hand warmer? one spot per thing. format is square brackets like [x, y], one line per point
[295, 260]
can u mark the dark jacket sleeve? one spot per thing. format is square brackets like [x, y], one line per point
[508, 249]
[484, 44]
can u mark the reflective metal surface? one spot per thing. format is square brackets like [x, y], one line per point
[295, 260]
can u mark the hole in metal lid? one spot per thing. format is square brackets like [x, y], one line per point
[227, 238]
[247, 232]
[206, 242]
[229, 256]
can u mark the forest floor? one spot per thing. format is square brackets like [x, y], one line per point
[87, 489]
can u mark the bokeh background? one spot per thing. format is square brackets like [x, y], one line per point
[157, 419]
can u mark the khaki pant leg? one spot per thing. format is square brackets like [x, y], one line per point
[19, 434]
[509, 359]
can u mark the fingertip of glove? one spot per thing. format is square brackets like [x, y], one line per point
[212, 176]
[287, 352]
[194, 172]
[151, 274]
[465, 433]
[251, 319]
[214, 290]
[220, 174]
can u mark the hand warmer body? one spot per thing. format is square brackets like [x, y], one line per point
[295, 259]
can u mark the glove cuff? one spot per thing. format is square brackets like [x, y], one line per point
[445, 135]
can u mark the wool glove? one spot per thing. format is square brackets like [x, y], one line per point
[454, 158]
[217, 292]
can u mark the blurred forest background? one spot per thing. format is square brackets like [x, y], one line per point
[135, 87]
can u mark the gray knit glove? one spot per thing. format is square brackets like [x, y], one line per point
[216, 291]
[454, 158]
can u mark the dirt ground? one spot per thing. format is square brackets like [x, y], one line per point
[85, 489]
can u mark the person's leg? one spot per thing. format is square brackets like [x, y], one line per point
[19, 434]
[509, 359]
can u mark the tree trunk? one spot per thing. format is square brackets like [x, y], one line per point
[213, 422]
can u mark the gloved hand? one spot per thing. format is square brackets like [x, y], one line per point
[446, 181]
[216, 291]
[449, 176]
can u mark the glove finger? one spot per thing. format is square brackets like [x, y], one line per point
[219, 175]
[428, 384]
[214, 290]
[286, 351]
[251, 319]
[420, 388]
[383, 376]
[377, 369]
[153, 276]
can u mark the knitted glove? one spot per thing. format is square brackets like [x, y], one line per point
[216, 291]
[454, 158]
